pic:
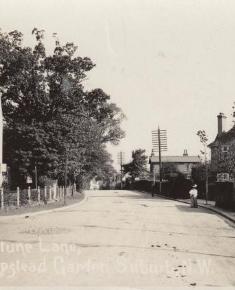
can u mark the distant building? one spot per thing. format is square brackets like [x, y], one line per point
[95, 184]
[172, 165]
[223, 151]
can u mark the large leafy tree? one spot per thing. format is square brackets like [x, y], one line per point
[137, 167]
[48, 115]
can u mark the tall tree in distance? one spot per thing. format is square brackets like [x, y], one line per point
[137, 167]
[204, 139]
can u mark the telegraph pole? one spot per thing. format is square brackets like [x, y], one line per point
[36, 176]
[159, 143]
[160, 161]
[1, 142]
[121, 161]
[206, 171]
[65, 174]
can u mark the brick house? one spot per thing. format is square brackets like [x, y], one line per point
[172, 165]
[223, 151]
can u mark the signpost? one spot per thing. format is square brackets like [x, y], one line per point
[29, 180]
[159, 143]
[223, 177]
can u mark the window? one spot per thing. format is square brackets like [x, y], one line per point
[225, 149]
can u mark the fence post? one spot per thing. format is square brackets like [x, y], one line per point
[73, 189]
[62, 192]
[54, 193]
[59, 192]
[18, 197]
[50, 193]
[39, 194]
[45, 193]
[29, 194]
[2, 198]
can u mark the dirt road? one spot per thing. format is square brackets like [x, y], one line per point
[118, 239]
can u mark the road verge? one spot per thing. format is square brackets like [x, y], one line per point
[27, 212]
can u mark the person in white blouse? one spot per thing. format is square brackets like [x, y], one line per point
[193, 195]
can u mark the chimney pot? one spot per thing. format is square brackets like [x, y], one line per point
[221, 123]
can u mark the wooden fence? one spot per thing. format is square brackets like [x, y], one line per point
[33, 197]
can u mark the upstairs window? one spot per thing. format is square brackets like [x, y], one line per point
[225, 150]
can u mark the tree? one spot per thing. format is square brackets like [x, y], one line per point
[204, 139]
[137, 167]
[49, 116]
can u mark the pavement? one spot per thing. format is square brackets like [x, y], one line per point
[230, 215]
[210, 205]
[118, 240]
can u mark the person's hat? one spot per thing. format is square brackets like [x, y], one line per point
[194, 186]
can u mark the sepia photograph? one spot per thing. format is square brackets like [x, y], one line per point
[117, 144]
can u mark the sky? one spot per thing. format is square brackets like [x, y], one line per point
[164, 62]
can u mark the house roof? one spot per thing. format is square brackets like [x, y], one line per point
[176, 159]
[224, 137]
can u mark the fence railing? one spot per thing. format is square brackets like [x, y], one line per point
[33, 197]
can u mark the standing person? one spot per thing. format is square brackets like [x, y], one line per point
[193, 196]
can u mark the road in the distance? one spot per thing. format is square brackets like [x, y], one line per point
[118, 239]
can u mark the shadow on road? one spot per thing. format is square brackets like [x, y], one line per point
[130, 194]
[145, 197]
[187, 208]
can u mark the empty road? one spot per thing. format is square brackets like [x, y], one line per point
[118, 239]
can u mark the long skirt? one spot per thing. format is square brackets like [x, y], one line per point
[193, 201]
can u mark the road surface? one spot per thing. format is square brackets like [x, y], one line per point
[118, 239]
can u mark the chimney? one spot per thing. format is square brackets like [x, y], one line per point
[221, 123]
[185, 152]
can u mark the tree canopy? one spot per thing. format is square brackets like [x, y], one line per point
[137, 167]
[48, 114]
